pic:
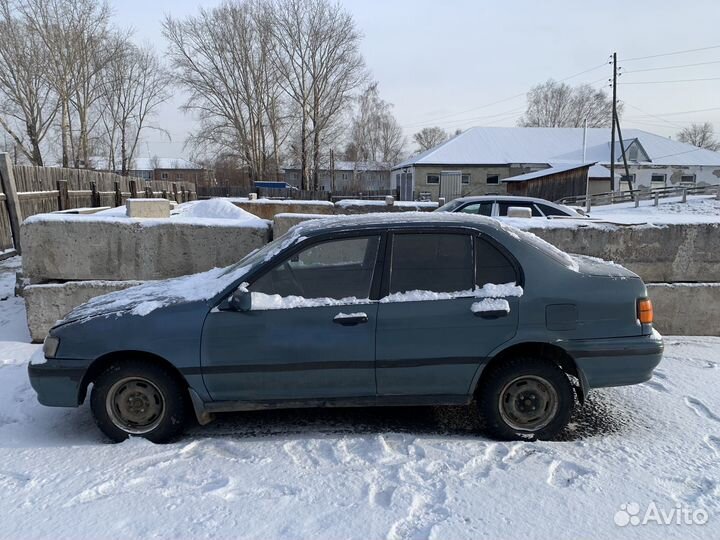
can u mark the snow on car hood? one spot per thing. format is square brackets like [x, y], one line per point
[146, 298]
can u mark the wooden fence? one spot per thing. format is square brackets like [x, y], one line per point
[49, 189]
[295, 194]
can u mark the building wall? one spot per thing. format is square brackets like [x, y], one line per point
[345, 180]
[181, 175]
[477, 184]
[704, 175]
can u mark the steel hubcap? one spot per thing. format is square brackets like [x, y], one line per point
[135, 405]
[528, 403]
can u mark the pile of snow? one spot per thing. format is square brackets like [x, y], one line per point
[216, 209]
[344, 203]
[279, 201]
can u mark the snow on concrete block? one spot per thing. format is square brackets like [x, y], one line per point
[389, 200]
[148, 208]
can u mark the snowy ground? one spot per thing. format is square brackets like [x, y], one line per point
[365, 474]
[697, 209]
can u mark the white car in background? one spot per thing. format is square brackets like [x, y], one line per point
[497, 206]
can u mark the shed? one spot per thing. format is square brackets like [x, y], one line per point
[552, 183]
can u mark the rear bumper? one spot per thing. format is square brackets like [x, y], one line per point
[616, 361]
[57, 382]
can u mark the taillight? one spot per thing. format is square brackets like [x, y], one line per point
[645, 311]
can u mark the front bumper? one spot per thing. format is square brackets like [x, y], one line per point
[57, 382]
[616, 361]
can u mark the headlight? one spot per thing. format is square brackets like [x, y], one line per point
[50, 346]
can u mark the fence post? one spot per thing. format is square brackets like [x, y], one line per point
[175, 192]
[148, 192]
[63, 196]
[684, 195]
[94, 195]
[9, 188]
[133, 189]
[657, 199]
[182, 194]
[118, 194]
[164, 193]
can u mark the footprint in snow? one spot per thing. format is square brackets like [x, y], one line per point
[657, 386]
[699, 408]
[714, 443]
[562, 474]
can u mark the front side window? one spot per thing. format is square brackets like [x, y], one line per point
[481, 208]
[433, 179]
[431, 262]
[335, 269]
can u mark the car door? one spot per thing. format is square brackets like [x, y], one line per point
[430, 340]
[310, 332]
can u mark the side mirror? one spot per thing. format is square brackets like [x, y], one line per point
[241, 300]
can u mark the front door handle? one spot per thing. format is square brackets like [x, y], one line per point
[493, 314]
[350, 319]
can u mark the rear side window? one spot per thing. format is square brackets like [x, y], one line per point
[504, 205]
[550, 211]
[491, 266]
[431, 262]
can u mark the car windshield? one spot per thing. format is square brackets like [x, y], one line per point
[449, 207]
[259, 256]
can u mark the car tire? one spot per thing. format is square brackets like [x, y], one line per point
[525, 398]
[139, 399]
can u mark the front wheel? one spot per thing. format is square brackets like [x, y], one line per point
[140, 399]
[525, 397]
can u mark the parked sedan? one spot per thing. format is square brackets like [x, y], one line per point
[497, 206]
[421, 309]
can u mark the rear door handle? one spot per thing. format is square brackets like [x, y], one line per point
[494, 314]
[350, 319]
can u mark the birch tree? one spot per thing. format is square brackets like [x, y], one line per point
[700, 135]
[375, 134]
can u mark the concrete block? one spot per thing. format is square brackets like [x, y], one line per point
[657, 253]
[148, 208]
[282, 223]
[688, 309]
[268, 209]
[113, 248]
[50, 302]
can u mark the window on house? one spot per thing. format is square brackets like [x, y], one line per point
[432, 179]
[493, 179]
[465, 178]
[178, 176]
[164, 176]
[397, 181]
[687, 179]
[657, 180]
[431, 262]
[344, 176]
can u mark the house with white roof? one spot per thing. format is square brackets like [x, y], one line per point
[486, 158]
[347, 176]
[157, 168]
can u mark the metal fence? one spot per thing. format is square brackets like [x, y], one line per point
[637, 195]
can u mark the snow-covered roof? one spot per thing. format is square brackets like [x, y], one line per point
[145, 164]
[546, 172]
[350, 166]
[504, 145]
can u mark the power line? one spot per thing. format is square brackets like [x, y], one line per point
[670, 53]
[645, 113]
[522, 94]
[674, 81]
[687, 112]
[674, 67]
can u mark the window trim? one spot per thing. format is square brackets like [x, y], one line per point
[281, 258]
[688, 182]
[462, 177]
[664, 179]
[519, 273]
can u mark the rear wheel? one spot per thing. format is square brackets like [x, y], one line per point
[525, 397]
[140, 399]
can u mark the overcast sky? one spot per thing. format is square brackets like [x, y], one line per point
[463, 63]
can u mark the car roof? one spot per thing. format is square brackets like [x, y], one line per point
[479, 198]
[399, 220]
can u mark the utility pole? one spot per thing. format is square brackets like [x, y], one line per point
[332, 171]
[614, 117]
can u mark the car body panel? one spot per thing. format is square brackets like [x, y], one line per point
[500, 203]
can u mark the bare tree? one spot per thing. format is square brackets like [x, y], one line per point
[375, 133]
[430, 137]
[700, 135]
[222, 57]
[28, 103]
[134, 86]
[73, 34]
[556, 104]
[316, 46]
